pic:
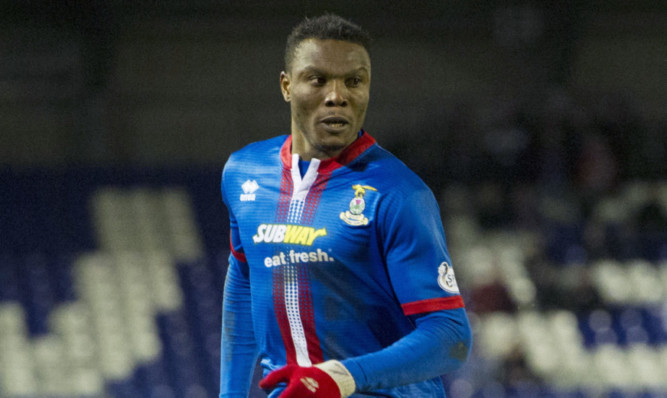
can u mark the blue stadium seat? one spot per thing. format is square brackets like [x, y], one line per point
[52, 227]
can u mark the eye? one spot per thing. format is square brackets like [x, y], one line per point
[353, 81]
[317, 80]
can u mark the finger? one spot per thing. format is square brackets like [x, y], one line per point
[280, 375]
[300, 388]
[292, 391]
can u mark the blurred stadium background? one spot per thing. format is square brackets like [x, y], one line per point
[541, 126]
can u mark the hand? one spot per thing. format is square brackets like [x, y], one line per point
[329, 379]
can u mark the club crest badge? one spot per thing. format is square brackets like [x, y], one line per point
[355, 215]
[446, 278]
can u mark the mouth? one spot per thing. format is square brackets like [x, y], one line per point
[335, 122]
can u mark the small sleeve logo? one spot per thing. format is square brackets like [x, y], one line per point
[446, 278]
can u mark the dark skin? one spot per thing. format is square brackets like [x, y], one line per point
[328, 88]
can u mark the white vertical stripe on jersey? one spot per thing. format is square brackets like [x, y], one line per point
[294, 315]
[297, 203]
[295, 210]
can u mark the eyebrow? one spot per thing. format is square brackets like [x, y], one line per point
[316, 70]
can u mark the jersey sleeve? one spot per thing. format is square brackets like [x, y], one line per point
[422, 278]
[440, 344]
[416, 255]
[238, 347]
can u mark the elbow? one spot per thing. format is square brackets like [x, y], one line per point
[460, 352]
[461, 348]
[452, 330]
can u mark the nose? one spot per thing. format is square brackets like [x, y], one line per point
[337, 95]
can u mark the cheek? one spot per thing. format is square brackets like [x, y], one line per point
[302, 115]
[301, 110]
[304, 102]
[361, 99]
[362, 105]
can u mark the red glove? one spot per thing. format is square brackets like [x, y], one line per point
[326, 380]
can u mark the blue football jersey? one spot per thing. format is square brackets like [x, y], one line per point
[338, 258]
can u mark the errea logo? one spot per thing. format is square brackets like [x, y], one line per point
[249, 187]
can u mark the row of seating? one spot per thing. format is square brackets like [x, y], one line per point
[614, 344]
[137, 324]
[140, 316]
[556, 351]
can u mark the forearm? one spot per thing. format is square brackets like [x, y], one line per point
[440, 344]
[238, 348]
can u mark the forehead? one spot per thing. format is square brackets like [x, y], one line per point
[333, 55]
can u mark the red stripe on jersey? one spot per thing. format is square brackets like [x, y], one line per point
[313, 198]
[286, 189]
[284, 197]
[308, 316]
[237, 255]
[430, 305]
[281, 313]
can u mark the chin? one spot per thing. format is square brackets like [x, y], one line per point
[330, 148]
[339, 138]
[336, 144]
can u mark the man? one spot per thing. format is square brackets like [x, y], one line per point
[339, 278]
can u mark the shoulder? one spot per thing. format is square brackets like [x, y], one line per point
[251, 161]
[404, 198]
[255, 156]
[406, 207]
[260, 152]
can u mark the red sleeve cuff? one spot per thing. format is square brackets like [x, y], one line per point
[430, 305]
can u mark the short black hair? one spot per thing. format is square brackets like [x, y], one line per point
[327, 26]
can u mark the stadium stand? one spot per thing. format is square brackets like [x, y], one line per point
[553, 194]
[113, 289]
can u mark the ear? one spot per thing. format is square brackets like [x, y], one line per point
[285, 85]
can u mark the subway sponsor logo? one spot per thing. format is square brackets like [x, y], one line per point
[287, 233]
